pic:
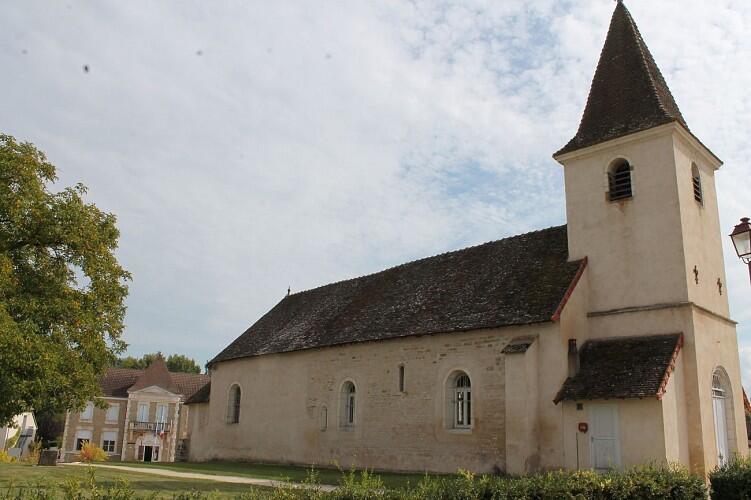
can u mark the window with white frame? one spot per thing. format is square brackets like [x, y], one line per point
[82, 436]
[88, 413]
[462, 401]
[109, 440]
[348, 401]
[143, 412]
[113, 412]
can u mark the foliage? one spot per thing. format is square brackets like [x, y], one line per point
[644, 483]
[62, 290]
[732, 481]
[50, 427]
[175, 362]
[35, 449]
[5, 458]
[91, 453]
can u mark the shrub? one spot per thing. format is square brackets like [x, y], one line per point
[733, 480]
[91, 453]
[5, 458]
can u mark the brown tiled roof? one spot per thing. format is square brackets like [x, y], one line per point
[117, 381]
[201, 395]
[628, 92]
[514, 281]
[623, 368]
[155, 374]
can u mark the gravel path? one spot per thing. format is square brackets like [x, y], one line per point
[208, 477]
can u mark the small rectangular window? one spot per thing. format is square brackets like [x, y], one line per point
[88, 413]
[143, 412]
[109, 439]
[401, 378]
[112, 413]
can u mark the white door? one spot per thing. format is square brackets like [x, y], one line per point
[721, 430]
[605, 449]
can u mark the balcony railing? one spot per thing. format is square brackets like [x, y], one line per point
[151, 426]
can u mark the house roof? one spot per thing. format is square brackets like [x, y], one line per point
[116, 382]
[628, 92]
[514, 281]
[155, 374]
[201, 395]
[623, 368]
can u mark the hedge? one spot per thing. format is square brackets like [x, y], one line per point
[732, 481]
[643, 483]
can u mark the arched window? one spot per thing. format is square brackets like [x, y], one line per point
[724, 422]
[619, 180]
[696, 183]
[233, 404]
[462, 401]
[348, 404]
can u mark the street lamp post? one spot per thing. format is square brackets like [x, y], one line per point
[741, 237]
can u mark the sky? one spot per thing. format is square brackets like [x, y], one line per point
[250, 146]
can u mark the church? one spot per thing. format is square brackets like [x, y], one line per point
[600, 344]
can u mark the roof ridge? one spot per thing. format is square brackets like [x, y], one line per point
[421, 259]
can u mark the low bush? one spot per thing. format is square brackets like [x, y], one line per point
[5, 458]
[91, 453]
[732, 481]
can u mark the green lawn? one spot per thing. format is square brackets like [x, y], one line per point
[277, 472]
[52, 478]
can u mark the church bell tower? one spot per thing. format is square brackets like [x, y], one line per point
[641, 206]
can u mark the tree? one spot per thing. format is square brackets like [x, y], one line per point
[62, 290]
[175, 362]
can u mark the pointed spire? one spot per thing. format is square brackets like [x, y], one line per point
[628, 92]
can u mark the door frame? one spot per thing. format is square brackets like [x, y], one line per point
[617, 437]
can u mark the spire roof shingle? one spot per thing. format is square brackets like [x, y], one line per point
[628, 92]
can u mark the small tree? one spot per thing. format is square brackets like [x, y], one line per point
[175, 362]
[62, 290]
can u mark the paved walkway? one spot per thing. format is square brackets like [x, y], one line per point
[207, 477]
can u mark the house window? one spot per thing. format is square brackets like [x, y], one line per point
[88, 413]
[462, 401]
[348, 404]
[113, 411]
[143, 412]
[619, 180]
[401, 378]
[696, 183]
[109, 438]
[82, 437]
[233, 405]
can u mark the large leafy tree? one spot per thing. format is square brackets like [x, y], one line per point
[62, 290]
[175, 362]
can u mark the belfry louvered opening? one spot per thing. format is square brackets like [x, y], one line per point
[696, 182]
[619, 180]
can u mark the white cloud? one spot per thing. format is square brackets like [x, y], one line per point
[248, 146]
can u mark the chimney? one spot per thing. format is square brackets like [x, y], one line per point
[573, 358]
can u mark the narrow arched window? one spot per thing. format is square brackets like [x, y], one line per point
[619, 180]
[348, 404]
[324, 418]
[462, 401]
[233, 404]
[724, 422]
[696, 183]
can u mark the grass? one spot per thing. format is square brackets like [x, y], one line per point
[50, 478]
[291, 473]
